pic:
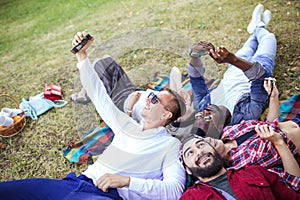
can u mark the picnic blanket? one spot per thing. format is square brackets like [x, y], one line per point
[95, 141]
[289, 108]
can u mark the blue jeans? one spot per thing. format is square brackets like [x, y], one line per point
[71, 188]
[260, 47]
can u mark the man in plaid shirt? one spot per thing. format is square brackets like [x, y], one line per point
[256, 150]
[270, 144]
[202, 160]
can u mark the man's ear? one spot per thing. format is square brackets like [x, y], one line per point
[168, 115]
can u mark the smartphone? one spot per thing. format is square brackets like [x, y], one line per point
[79, 46]
[270, 79]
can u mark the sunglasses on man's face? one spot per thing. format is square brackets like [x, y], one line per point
[153, 98]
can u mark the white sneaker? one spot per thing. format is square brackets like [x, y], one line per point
[267, 17]
[256, 18]
[80, 97]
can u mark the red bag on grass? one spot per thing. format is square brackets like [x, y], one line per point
[52, 92]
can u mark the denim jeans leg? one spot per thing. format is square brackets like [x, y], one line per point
[200, 93]
[248, 49]
[36, 188]
[265, 55]
[266, 50]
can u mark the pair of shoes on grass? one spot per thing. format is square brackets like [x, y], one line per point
[260, 18]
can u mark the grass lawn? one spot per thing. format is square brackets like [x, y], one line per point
[144, 36]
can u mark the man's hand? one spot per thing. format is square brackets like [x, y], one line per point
[130, 101]
[201, 48]
[290, 165]
[267, 132]
[81, 55]
[268, 84]
[112, 181]
[270, 87]
[222, 55]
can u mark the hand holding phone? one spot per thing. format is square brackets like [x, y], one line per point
[79, 46]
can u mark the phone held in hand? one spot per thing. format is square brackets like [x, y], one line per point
[270, 79]
[79, 46]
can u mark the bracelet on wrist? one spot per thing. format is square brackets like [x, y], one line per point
[197, 54]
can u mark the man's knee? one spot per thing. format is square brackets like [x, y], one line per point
[103, 63]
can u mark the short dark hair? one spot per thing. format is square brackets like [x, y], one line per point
[176, 106]
[189, 137]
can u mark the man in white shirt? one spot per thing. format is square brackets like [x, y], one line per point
[142, 162]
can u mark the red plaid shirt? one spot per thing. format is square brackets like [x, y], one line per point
[250, 182]
[256, 151]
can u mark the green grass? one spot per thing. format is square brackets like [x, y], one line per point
[36, 37]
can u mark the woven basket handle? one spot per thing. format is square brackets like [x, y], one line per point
[6, 95]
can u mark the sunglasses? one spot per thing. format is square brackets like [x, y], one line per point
[154, 100]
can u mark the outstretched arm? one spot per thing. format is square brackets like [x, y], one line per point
[222, 55]
[96, 91]
[289, 162]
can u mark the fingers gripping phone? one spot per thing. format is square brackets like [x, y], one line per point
[79, 46]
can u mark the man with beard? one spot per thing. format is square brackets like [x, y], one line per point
[202, 161]
[270, 144]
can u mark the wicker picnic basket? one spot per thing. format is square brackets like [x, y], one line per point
[15, 128]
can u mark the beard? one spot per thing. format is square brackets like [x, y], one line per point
[210, 170]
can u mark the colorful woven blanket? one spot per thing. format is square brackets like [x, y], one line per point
[95, 141]
[289, 108]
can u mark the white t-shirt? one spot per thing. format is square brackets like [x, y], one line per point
[232, 86]
[149, 157]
